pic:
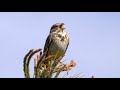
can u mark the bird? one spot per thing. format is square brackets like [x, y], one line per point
[57, 41]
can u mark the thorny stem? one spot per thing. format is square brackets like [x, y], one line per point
[45, 59]
[29, 58]
[44, 67]
[25, 69]
[57, 74]
[54, 66]
[38, 65]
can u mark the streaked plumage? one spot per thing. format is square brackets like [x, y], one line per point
[57, 41]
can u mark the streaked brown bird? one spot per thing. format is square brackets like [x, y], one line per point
[57, 41]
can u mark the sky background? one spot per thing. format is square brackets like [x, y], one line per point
[94, 41]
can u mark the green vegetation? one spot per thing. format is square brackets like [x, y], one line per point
[49, 67]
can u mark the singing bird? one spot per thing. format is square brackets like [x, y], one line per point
[57, 41]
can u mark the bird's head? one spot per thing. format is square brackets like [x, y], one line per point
[57, 26]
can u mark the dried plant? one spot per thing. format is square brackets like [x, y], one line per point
[51, 69]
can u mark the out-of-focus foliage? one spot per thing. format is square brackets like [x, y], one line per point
[45, 67]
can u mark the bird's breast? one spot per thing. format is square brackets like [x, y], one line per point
[59, 44]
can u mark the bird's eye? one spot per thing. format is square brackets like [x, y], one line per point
[55, 26]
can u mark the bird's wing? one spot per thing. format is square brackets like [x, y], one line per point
[67, 45]
[48, 44]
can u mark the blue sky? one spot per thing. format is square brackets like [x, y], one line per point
[94, 41]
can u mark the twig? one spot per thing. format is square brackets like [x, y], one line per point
[56, 61]
[29, 58]
[43, 60]
[57, 74]
[45, 67]
[25, 69]
[38, 65]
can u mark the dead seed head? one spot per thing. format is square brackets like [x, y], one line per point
[72, 63]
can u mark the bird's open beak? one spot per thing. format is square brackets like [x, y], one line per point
[62, 27]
